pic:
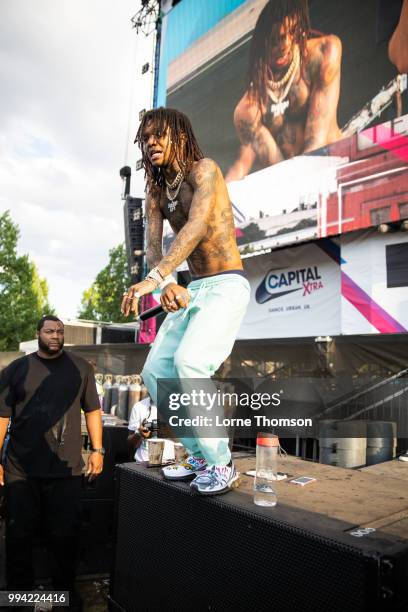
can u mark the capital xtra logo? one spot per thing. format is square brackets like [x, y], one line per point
[278, 283]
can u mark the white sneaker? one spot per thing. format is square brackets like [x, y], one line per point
[215, 480]
[184, 470]
[404, 456]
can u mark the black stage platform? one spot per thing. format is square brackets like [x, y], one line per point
[175, 550]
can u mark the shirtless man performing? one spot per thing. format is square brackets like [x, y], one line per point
[203, 321]
[290, 106]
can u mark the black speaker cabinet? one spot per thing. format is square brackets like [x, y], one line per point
[176, 550]
[134, 236]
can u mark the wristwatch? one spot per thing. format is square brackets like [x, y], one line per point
[101, 451]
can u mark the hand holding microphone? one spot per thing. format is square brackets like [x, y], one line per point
[181, 299]
[174, 297]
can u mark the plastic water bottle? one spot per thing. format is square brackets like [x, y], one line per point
[99, 388]
[107, 394]
[134, 390]
[123, 399]
[267, 446]
[115, 394]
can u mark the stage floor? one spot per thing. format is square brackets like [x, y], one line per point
[376, 496]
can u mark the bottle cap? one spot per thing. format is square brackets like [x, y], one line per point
[267, 439]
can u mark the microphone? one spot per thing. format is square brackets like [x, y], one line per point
[151, 312]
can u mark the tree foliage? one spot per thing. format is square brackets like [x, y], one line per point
[101, 302]
[251, 233]
[23, 294]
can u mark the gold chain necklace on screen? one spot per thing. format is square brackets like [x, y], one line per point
[278, 90]
[280, 84]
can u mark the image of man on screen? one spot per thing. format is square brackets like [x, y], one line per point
[293, 87]
[398, 45]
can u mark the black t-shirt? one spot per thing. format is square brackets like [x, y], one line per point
[44, 398]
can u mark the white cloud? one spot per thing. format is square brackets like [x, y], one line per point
[68, 69]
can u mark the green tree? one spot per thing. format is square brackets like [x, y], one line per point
[101, 302]
[23, 294]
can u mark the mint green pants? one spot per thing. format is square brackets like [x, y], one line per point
[193, 342]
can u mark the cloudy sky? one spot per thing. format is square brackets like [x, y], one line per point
[71, 89]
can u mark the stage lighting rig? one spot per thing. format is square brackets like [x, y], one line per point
[145, 20]
[125, 174]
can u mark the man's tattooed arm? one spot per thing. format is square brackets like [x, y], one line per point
[398, 45]
[246, 130]
[256, 140]
[154, 234]
[266, 148]
[324, 97]
[203, 179]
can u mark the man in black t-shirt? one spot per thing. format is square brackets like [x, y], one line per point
[42, 395]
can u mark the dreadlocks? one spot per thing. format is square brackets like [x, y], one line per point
[185, 149]
[269, 21]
